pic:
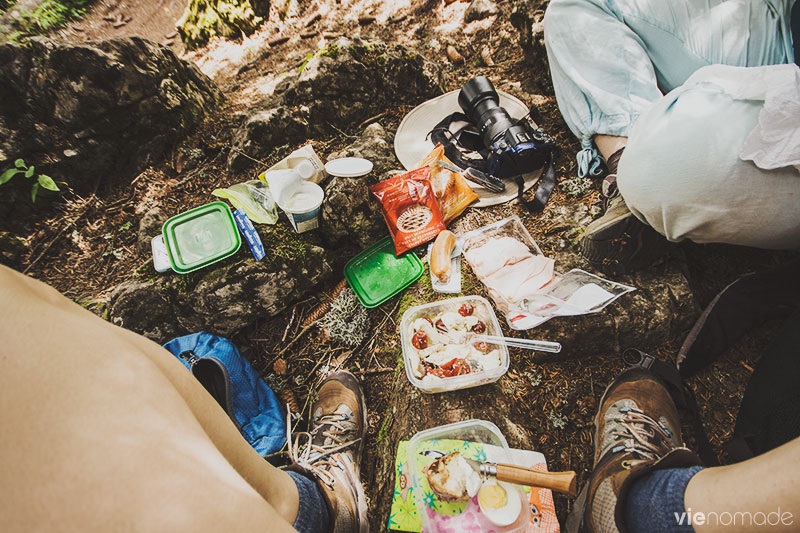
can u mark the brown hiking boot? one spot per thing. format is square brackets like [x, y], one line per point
[331, 451]
[636, 431]
[618, 242]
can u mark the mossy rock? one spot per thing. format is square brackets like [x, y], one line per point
[204, 19]
[224, 298]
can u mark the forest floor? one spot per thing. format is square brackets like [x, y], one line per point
[87, 245]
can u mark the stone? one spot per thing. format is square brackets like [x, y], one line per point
[526, 17]
[224, 298]
[100, 110]
[340, 87]
[350, 212]
[143, 306]
[204, 19]
[480, 9]
[263, 130]
[12, 248]
[150, 226]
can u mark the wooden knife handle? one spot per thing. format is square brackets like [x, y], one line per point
[563, 482]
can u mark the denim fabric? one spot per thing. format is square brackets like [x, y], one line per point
[655, 502]
[312, 515]
[611, 59]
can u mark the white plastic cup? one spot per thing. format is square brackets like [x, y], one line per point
[302, 208]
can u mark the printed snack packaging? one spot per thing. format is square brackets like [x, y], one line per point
[410, 209]
[452, 191]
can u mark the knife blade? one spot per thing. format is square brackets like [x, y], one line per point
[563, 482]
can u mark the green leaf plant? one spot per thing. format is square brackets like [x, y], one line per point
[42, 180]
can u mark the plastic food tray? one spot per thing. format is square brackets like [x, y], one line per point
[468, 436]
[484, 310]
[200, 237]
[375, 274]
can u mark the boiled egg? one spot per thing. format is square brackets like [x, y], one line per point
[499, 502]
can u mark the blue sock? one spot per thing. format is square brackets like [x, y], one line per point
[312, 515]
[655, 501]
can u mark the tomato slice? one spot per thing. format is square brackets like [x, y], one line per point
[454, 367]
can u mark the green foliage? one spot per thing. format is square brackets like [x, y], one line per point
[49, 15]
[42, 180]
[332, 50]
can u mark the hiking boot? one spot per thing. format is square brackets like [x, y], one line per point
[636, 431]
[331, 451]
[618, 242]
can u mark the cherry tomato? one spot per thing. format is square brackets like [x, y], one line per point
[481, 346]
[479, 328]
[466, 309]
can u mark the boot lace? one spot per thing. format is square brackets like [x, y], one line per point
[315, 450]
[640, 434]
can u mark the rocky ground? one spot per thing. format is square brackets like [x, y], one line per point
[340, 75]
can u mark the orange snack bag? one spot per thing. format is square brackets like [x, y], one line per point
[409, 208]
[452, 191]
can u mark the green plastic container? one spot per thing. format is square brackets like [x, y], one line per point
[200, 237]
[375, 274]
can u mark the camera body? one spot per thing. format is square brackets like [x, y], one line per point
[515, 147]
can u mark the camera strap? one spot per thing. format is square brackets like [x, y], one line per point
[464, 148]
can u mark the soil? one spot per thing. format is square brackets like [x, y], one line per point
[85, 245]
[152, 19]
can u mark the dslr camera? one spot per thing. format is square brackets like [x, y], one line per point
[515, 147]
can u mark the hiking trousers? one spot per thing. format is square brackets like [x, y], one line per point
[620, 67]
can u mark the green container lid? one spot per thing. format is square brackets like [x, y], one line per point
[375, 274]
[200, 237]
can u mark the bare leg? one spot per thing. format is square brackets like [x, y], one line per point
[105, 430]
[759, 485]
[608, 144]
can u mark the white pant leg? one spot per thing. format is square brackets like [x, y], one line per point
[681, 173]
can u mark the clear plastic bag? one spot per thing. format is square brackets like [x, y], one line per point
[575, 293]
[254, 198]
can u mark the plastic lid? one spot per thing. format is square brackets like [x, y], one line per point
[375, 274]
[200, 237]
[349, 167]
[305, 169]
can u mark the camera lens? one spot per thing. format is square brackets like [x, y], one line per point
[480, 103]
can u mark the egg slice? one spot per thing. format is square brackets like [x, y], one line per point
[499, 502]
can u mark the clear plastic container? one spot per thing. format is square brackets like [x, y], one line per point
[474, 439]
[435, 384]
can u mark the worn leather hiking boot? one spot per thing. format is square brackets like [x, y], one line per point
[331, 451]
[618, 242]
[636, 431]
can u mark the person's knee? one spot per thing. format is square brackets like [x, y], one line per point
[681, 172]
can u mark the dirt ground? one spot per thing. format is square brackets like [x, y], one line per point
[152, 19]
[87, 245]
